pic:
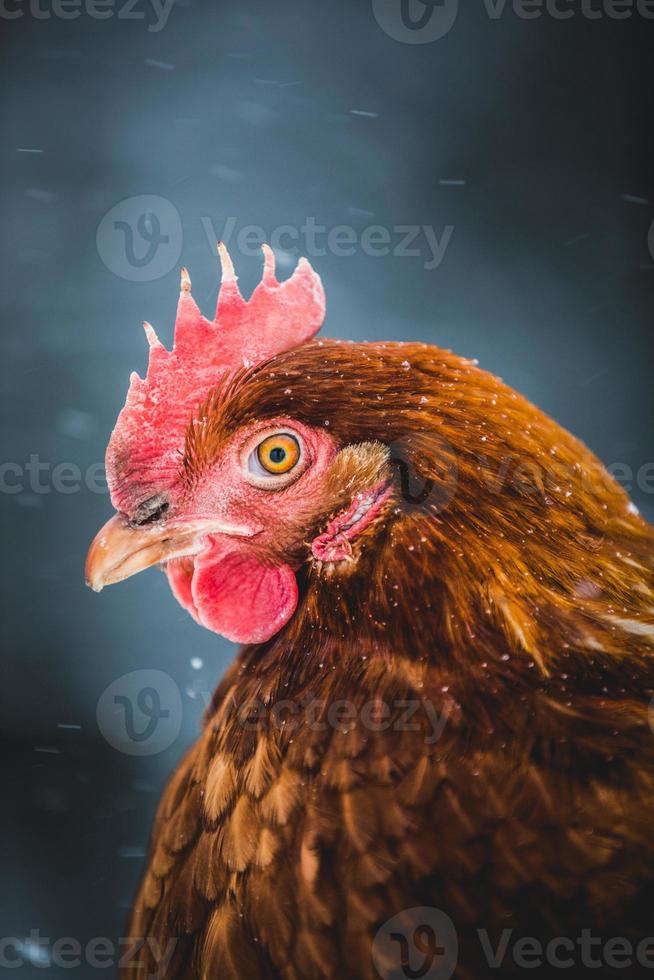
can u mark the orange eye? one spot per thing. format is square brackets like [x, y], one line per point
[278, 454]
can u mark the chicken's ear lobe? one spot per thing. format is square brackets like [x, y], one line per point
[360, 473]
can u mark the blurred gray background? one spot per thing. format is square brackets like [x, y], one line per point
[524, 146]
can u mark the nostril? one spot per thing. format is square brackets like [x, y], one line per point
[150, 511]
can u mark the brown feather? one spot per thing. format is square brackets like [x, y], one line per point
[513, 606]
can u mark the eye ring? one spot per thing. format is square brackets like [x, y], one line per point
[275, 459]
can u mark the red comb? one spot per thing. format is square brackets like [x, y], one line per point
[145, 445]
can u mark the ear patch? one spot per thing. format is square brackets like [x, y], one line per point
[360, 479]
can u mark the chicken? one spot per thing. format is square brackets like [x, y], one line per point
[446, 606]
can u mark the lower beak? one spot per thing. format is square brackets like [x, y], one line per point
[120, 550]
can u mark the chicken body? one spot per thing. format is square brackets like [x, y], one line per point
[455, 717]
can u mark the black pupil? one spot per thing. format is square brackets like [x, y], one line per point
[277, 455]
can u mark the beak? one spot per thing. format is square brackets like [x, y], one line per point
[120, 550]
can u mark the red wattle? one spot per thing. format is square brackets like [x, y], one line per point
[238, 596]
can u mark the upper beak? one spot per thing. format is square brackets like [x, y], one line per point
[120, 550]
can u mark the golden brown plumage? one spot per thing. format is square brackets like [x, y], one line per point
[506, 591]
